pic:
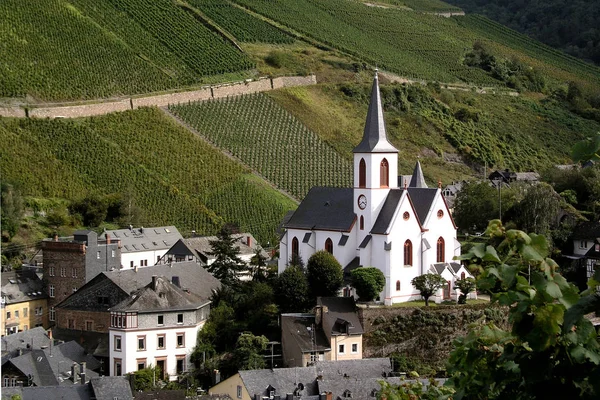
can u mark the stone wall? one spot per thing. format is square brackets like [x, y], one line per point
[163, 100]
[100, 320]
[422, 333]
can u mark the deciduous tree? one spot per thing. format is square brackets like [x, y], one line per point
[428, 285]
[368, 282]
[292, 291]
[465, 286]
[324, 274]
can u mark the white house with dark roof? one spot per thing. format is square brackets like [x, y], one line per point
[156, 326]
[143, 247]
[401, 230]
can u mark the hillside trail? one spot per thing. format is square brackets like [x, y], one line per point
[228, 154]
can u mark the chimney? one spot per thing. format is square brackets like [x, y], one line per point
[107, 238]
[289, 396]
[142, 229]
[193, 233]
[318, 315]
[135, 268]
[82, 374]
[216, 376]
[130, 227]
[20, 351]
[328, 396]
[56, 237]
[74, 372]
[154, 282]
[249, 241]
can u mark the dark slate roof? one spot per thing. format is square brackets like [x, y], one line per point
[340, 310]
[343, 240]
[111, 387]
[191, 275]
[80, 300]
[439, 267]
[94, 343]
[594, 251]
[454, 267]
[283, 380]
[374, 137]
[358, 376]
[52, 367]
[418, 180]
[73, 392]
[365, 242]
[384, 219]
[295, 328]
[164, 395]
[587, 230]
[200, 245]
[22, 286]
[160, 295]
[325, 208]
[306, 237]
[145, 239]
[27, 340]
[422, 199]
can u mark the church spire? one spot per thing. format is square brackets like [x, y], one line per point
[418, 180]
[374, 137]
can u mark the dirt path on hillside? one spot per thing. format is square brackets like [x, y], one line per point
[187, 126]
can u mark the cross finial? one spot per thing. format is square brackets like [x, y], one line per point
[439, 183]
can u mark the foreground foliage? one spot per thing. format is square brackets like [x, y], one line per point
[552, 350]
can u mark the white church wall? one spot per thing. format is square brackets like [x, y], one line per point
[439, 227]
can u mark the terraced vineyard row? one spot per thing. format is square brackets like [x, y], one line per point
[556, 62]
[83, 49]
[173, 176]
[242, 25]
[423, 5]
[408, 43]
[268, 139]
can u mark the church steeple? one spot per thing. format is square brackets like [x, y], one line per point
[418, 180]
[374, 137]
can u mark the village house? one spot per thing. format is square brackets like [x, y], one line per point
[24, 301]
[401, 230]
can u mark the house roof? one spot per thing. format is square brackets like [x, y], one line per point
[145, 239]
[200, 246]
[325, 208]
[72, 392]
[94, 343]
[422, 200]
[589, 230]
[22, 286]
[52, 366]
[341, 311]
[594, 251]
[418, 180]
[191, 275]
[159, 295]
[358, 376]
[302, 330]
[374, 137]
[30, 339]
[111, 387]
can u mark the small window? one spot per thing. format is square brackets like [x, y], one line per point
[63, 272]
[406, 216]
[397, 286]
[180, 339]
[384, 174]
[51, 271]
[462, 276]
[160, 342]
[161, 320]
[8, 315]
[141, 342]
[89, 325]
[71, 323]
[74, 272]
[362, 223]
[239, 391]
[180, 366]
[130, 264]
[51, 290]
[329, 246]
[118, 367]
[112, 253]
[52, 314]
[355, 347]
[98, 255]
[141, 364]
[440, 214]
[180, 318]
[16, 313]
[117, 343]
[362, 173]
[341, 348]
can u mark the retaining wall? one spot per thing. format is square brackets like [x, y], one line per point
[163, 100]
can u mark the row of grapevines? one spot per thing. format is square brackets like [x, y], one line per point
[242, 25]
[83, 49]
[174, 176]
[268, 139]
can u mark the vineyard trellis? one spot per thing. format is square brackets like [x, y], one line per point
[270, 140]
[173, 175]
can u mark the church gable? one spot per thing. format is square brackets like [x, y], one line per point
[439, 214]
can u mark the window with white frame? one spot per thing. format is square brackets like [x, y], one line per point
[63, 272]
[52, 314]
[51, 290]
[355, 347]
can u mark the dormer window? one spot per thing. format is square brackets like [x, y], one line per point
[347, 394]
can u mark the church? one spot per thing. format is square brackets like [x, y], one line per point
[394, 223]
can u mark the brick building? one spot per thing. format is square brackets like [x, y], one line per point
[69, 263]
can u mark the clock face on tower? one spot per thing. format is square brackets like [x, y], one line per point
[362, 201]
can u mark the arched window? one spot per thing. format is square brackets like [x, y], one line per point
[397, 286]
[362, 173]
[462, 276]
[295, 246]
[440, 250]
[408, 253]
[384, 173]
[329, 246]
[362, 223]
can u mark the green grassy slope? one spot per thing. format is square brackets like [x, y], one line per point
[82, 49]
[172, 174]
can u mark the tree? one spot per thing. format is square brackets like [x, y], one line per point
[551, 350]
[538, 210]
[428, 285]
[292, 291]
[145, 379]
[12, 209]
[93, 210]
[475, 205]
[465, 286]
[324, 274]
[258, 263]
[227, 264]
[587, 149]
[247, 353]
[368, 282]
